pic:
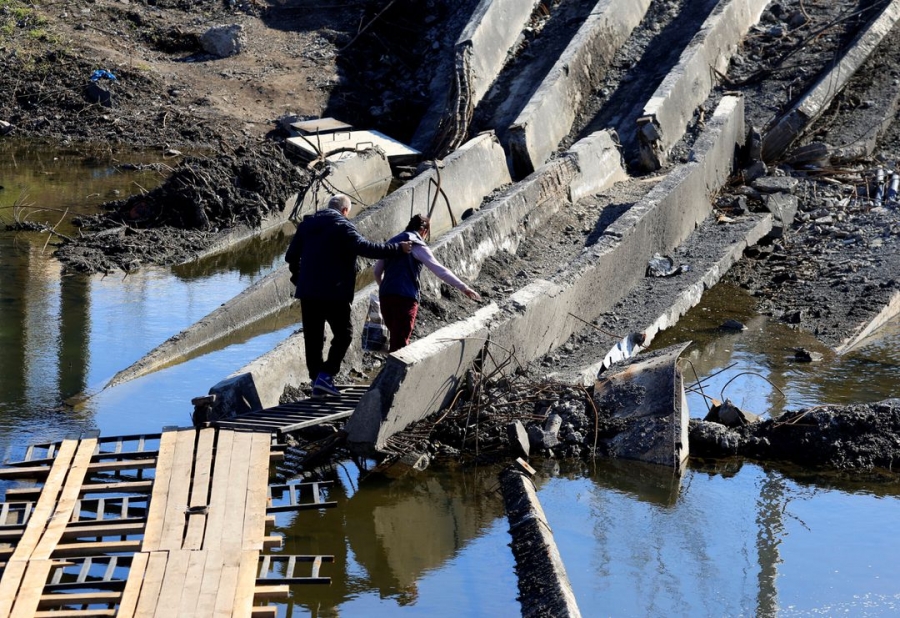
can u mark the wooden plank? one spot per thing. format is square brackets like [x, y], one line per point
[179, 491]
[62, 514]
[114, 466]
[47, 502]
[264, 611]
[25, 493]
[76, 613]
[268, 593]
[196, 522]
[173, 583]
[257, 493]
[219, 492]
[29, 595]
[246, 584]
[133, 584]
[236, 497]
[113, 528]
[193, 583]
[153, 578]
[310, 423]
[9, 584]
[73, 550]
[224, 602]
[212, 576]
[157, 512]
[78, 598]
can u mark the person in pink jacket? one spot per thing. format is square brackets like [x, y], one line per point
[398, 280]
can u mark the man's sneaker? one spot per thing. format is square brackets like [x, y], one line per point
[324, 385]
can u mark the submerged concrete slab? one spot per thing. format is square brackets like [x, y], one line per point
[593, 165]
[414, 384]
[549, 115]
[689, 83]
[792, 124]
[479, 55]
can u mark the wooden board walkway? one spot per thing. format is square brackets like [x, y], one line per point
[171, 524]
[289, 417]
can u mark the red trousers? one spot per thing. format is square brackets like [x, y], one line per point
[399, 314]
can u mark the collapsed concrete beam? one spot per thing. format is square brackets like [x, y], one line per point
[669, 110]
[648, 395]
[365, 176]
[791, 125]
[421, 378]
[548, 117]
[591, 166]
[479, 55]
[544, 587]
[470, 173]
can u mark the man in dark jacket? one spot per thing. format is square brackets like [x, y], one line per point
[322, 260]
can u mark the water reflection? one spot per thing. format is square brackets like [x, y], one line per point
[756, 368]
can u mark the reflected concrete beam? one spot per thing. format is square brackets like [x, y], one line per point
[549, 115]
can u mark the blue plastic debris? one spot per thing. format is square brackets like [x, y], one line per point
[101, 73]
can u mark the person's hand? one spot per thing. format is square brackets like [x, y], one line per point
[406, 245]
[472, 294]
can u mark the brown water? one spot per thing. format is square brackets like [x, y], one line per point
[728, 539]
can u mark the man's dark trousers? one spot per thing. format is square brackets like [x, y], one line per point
[315, 312]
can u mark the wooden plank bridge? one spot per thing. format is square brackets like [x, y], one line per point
[170, 524]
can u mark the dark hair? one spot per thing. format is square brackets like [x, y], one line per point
[417, 223]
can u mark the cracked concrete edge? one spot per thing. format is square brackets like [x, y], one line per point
[593, 166]
[689, 83]
[470, 173]
[549, 115]
[490, 36]
[689, 296]
[528, 325]
[779, 138]
[544, 586]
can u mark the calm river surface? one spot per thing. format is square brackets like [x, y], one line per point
[723, 540]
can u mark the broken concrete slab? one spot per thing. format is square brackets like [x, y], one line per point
[592, 166]
[364, 176]
[648, 394]
[481, 51]
[549, 115]
[793, 123]
[544, 587]
[669, 111]
[418, 380]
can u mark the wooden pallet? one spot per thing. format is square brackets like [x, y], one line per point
[188, 541]
[289, 417]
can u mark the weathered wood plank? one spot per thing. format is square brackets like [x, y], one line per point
[72, 550]
[212, 576]
[158, 497]
[133, 584]
[257, 494]
[9, 585]
[218, 505]
[264, 611]
[173, 583]
[267, 593]
[187, 605]
[236, 498]
[29, 595]
[150, 589]
[224, 605]
[196, 522]
[78, 598]
[46, 504]
[75, 613]
[246, 584]
[113, 528]
[173, 528]
[68, 497]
